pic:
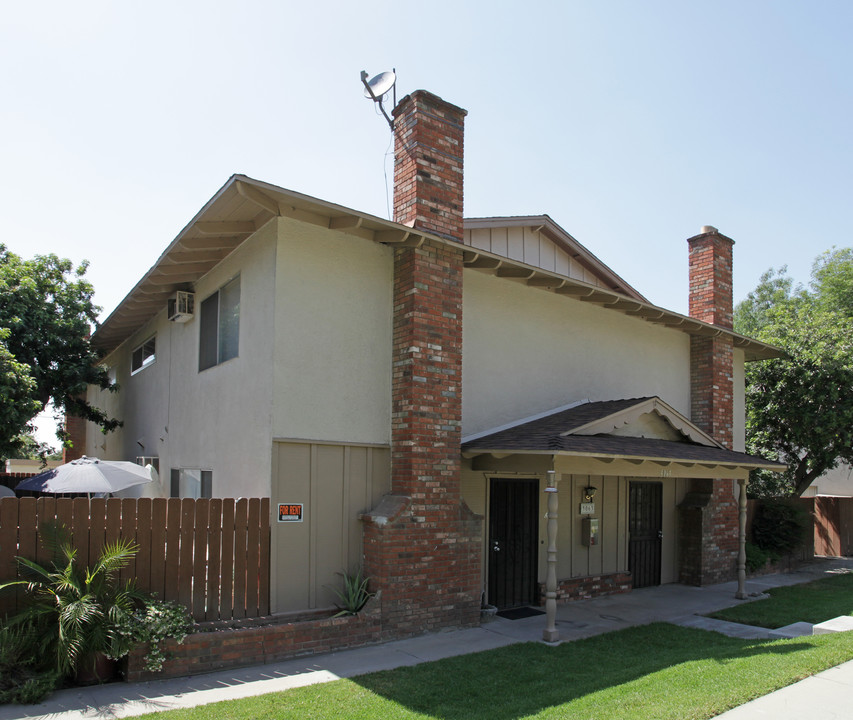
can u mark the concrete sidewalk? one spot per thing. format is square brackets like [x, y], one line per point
[824, 696]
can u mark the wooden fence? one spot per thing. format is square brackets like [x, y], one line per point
[210, 555]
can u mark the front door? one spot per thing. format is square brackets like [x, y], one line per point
[644, 532]
[513, 542]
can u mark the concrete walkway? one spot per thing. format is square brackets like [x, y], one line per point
[823, 696]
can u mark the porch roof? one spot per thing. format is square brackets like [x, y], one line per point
[561, 433]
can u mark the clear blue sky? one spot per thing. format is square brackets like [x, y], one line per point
[630, 123]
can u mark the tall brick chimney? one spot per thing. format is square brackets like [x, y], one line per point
[422, 544]
[428, 164]
[711, 389]
[708, 519]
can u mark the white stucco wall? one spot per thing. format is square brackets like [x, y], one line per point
[333, 336]
[526, 351]
[219, 419]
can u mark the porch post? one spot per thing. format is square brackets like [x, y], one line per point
[551, 634]
[741, 556]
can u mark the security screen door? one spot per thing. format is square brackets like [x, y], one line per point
[644, 532]
[513, 541]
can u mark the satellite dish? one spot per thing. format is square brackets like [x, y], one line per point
[378, 88]
[380, 85]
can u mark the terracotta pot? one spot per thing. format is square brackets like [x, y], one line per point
[95, 668]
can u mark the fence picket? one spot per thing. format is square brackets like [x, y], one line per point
[143, 540]
[241, 516]
[159, 558]
[200, 559]
[226, 592]
[80, 530]
[214, 547]
[185, 577]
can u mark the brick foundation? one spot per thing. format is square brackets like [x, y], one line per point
[582, 588]
[260, 643]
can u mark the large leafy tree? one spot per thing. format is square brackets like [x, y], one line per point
[46, 313]
[800, 408]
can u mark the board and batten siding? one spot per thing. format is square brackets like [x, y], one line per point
[530, 246]
[335, 483]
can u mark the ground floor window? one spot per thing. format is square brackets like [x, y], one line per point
[192, 483]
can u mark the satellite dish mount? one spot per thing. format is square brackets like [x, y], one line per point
[378, 87]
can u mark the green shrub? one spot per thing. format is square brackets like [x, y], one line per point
[24, 677]
[779, 527]
[756, 558]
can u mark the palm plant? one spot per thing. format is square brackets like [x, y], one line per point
[74, 613]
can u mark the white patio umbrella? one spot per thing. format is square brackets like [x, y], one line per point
[88, 475]
[6, 492]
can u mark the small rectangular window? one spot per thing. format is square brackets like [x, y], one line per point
[143, 356]
[219, 326]
[191, 483]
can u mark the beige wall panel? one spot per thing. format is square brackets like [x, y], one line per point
[566, 528]
[500, 241]
[515, 243]
[669, 525]
[608, 511]
[332, 376]
[336, 483]
[547, 253]
[290, 575]
[561, 261]
[528, 351]
[531, 247]
[481, 238]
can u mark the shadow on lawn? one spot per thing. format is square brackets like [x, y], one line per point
[521, 680]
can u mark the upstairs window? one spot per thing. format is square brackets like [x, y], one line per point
[219, 333]
[143, 356]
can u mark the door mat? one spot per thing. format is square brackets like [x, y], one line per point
[519, 613]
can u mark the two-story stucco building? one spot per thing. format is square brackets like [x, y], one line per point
[425, 390]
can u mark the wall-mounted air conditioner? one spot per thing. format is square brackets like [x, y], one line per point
[181, 306]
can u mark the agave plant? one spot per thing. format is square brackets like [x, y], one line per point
[74, 613]
[354, 595]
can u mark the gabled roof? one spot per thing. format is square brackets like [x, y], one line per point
[244, 205]
[569, 432]
[562, 239]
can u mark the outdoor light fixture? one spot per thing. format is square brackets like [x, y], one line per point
[589, 493]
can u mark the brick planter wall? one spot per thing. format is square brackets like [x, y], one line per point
[591, 586]
[228, 648]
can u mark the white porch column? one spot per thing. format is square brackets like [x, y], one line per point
[741, 555]
[551, 634]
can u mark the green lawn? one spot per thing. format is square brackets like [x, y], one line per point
[811, 602]
[654, 671]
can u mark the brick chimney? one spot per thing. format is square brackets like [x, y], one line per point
[428, 164]
[422, 544]
[75, 428]
[711, 389]
[708, 515]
